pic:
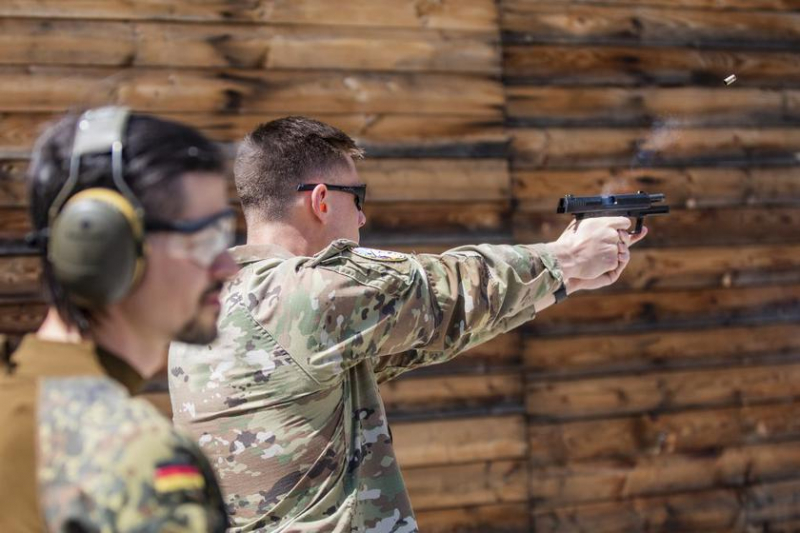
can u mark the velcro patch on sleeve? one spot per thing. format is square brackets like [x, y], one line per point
[379, 255]
[178, 477]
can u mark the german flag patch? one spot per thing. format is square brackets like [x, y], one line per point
[173, 477]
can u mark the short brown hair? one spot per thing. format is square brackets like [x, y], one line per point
[279, 155]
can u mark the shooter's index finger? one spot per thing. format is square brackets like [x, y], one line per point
[639, 236]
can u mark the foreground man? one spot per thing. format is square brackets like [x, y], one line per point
[131, 215]
[286, 401]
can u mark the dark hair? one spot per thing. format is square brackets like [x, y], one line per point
[155, 153]
[279, 155]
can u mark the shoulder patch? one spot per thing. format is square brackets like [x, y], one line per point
[379, 255]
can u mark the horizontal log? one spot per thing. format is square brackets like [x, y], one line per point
[14, 223]
[17, 318]
[716, 5]
[708, 512]
[527, 22]
[446, 180]
[508, 518]
[537, 190]
[662, 392]
[666, 144]
[427, 395]
[627, 312]
[773, 502]
[591, 482]
[755, 508]
[388, 180]
[421, 216]
[698, 432]
[692, 227]
[380, 134]
[637, 66]
[646, 106]
[401, 217]
[467, 440]
[146, 44]
[248, 91]
[686, 268]
[639, 352]
[464, 15]
[466, 485]
[19, 275]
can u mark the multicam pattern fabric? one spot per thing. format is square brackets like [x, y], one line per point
[286, 403]
[99, 451]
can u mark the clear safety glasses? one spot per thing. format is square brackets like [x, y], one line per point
[201, 240]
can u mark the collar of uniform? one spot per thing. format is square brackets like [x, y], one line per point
[120, 370]
[50, 358]
[249, 253]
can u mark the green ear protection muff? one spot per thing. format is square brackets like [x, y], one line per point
[96, 237]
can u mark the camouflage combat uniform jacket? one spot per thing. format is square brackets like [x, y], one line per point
[285, 403]
[77, 453]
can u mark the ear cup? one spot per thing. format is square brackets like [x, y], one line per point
[95, 247]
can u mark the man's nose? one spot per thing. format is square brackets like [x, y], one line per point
[362, 219]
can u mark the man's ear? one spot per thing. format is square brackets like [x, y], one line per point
[319, 202]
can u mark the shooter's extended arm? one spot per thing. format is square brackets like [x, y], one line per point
[638, 206]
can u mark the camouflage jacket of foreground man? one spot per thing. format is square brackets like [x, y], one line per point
[285, 403]
[97, 460]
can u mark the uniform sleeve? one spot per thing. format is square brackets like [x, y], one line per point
[174, 490]
[152, 486]
[121, 469]
[349, 304]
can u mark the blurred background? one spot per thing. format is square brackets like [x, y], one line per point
[669, 402]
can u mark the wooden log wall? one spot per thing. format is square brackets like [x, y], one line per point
[665, 403]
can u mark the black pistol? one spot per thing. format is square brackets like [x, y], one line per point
[636, 206]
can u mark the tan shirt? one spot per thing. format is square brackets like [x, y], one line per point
[68, 426]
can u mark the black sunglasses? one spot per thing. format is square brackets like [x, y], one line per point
[358, 191]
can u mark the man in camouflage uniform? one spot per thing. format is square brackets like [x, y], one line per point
[77, 453]
[286, 403]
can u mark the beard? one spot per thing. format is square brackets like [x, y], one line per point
[197, 330]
